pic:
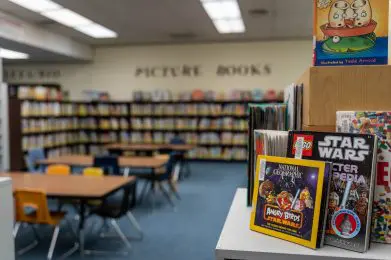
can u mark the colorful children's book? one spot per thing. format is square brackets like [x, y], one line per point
[290, 199]
[378, 123]
[352, 185]
[350, 32]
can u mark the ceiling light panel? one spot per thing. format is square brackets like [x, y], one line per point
[9, 54]
[37, 5]
[225, 14]
[96, 31]
[67, 17]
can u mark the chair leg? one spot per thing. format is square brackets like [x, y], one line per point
[16, 229]
[143, 192]
[135, 223]
[174, 189]
[27, 248]
[120, 234]
[166, 194]
[53, 242]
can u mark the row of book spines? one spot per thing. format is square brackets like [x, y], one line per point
[64, 130]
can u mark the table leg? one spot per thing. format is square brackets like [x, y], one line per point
[81, 227]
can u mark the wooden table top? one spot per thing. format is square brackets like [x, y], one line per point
[124, 161]
[72, 186]
[150, 147]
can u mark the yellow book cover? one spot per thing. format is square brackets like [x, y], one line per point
[290, 199]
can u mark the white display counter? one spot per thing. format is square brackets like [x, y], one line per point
[7, 248]
[238, 242]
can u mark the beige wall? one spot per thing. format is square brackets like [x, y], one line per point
[114, 68]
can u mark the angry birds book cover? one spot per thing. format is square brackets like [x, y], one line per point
[378, 123]
[290, 199]
[350, 32]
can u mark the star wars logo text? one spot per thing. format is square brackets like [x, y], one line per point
[273, 214]
[285, 170]
[344, 148]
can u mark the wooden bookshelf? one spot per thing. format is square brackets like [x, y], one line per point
[93, 125]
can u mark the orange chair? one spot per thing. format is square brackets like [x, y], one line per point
[93, 172]
[58, 169]
[31, 207]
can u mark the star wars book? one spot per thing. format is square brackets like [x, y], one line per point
[290, 199]
[379, 123]
[352, 184]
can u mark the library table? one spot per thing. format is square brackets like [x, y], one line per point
[78, 188]
[237, 241]
[119, 148]
[124, 161]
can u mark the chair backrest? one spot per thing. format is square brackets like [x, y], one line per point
[27, 199]
[109, 164]
[93, 172]
[58, 169]
[169, 167]
[34, 155]
[177, 140]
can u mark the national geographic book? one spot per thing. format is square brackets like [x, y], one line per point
[350, 32]
[378, 123]
[352, 184]
[290, 199]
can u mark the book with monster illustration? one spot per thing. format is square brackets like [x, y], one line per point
[350, 32]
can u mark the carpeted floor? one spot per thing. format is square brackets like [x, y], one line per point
[189, 232]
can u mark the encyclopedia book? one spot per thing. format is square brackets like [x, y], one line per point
[352, 184]
[290, 199]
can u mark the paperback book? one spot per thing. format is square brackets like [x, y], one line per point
[290, 199]
[352, 184]
[378, 123]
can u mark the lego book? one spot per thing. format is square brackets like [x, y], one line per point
[290, 199]
[352, 184]
[350, 32]
[379, 123]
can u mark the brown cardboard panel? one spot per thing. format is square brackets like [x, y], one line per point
[331, 89]
[320, 128]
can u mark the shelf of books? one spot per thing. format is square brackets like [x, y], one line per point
[44, 118]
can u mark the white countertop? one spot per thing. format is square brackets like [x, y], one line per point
[237, 241]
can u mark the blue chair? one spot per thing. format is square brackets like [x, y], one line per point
[160, 177]
[181, 158]
[31, 159]
[109, 164]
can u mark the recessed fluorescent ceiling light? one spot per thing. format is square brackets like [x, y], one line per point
[8, 54]
[37, 5]
[67, 17]
[96, 31]
[225, 15]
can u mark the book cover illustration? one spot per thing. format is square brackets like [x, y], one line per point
[350, 32]
[290, 199]
[352, 184]
[379, 123]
